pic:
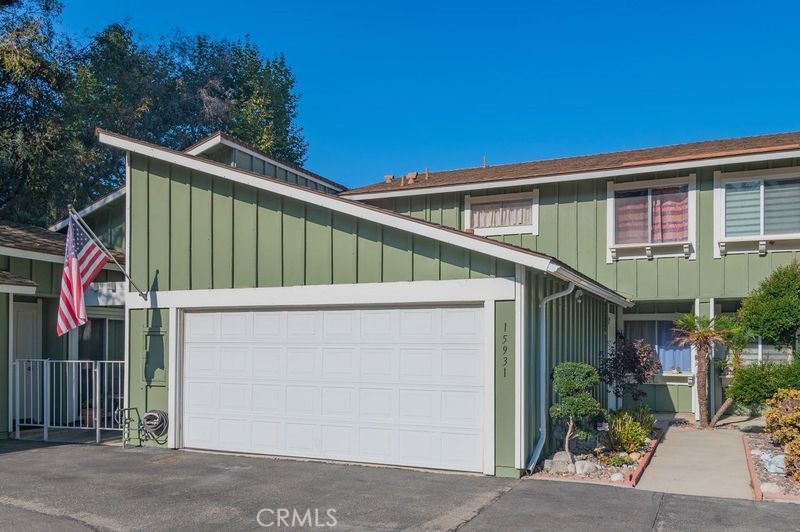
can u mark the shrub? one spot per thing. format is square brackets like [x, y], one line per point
[783, 417]
[613, 460]
[644, 416]
[625, 433]
[753, 385]
[792, 463]
[572, 382]
[628, 366]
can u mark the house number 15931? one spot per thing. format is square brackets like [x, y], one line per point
[504, 350]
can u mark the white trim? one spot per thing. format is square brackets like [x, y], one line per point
[126, 349]
[520, 365]
[218, 139]
[489, 442]
[44, 257]
[10, 390]
[486, 291]
[172, 384]
[695, 402]
[644, 250]
[755, 243]
[352, 208]
[102, 202]
[532, 228]
[17, 289]
[578, 176]
[489, 289]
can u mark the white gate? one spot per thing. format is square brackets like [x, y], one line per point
[68, 394]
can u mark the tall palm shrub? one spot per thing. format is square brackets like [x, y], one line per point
[699, 333]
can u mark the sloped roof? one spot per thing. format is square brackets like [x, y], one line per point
[36, 239]
[8, 278]
[693, 151]
[359, 209]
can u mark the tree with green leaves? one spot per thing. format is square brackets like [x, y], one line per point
[699, 333]
[576, 407]
[772, 311]
[54, 94]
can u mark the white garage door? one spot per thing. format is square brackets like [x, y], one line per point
[392, 386]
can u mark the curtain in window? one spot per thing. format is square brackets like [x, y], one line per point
[501, 213]
[743, 208]
[781, 207]
[630, 217]
[671, 354]
[670, 214]
[659, 334]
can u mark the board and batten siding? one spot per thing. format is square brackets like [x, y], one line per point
[47, 275]
[245, 161]
[572, 228]
[193, 231]
[576, 332]
[108, 223]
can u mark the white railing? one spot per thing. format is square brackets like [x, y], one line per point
[68, 394]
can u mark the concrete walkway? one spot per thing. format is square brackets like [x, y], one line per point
[699, 462]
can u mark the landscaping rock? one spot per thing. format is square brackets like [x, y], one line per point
[562, 456]
[771, 487]
[560, 463]
[774, 464]
[635, 456]
[617, 477]
[585, 467]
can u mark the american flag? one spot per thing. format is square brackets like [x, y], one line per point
[83, 260]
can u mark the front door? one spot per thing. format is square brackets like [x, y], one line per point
[28, 345]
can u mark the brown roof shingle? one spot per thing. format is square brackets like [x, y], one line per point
[32, 238]
[9, 278]
[586, 163]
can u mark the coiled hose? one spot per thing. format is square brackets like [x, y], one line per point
[155, 423]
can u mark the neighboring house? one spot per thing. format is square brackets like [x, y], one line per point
[31, 260]
[290, 321]
[684, 228]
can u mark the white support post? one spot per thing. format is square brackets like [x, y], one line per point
[16, 396]
[11, 359]
[46, 420]
[96, 401]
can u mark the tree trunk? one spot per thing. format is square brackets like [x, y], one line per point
[702, 386]
[568, 437]
[725, 406]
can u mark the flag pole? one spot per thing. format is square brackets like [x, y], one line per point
[83, 223]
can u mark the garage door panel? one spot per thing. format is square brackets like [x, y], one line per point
[370, 385]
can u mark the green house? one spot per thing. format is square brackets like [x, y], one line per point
[414, 322]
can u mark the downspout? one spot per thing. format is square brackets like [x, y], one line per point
[542, 438]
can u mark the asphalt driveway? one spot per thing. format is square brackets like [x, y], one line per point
[88, 487]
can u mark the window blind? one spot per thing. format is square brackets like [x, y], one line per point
[781, 207]
[743, 208]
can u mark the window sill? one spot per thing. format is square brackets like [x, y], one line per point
[651, 251]
[759, 244]
[513, 230]
[684, 379]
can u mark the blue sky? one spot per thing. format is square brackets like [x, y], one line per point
[387, 89]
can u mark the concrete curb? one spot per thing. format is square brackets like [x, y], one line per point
[759, 495]
[631, 479]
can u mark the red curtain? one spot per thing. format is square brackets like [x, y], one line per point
[670, 214]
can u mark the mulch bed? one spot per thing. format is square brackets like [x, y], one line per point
[756, 445]
[630, 473]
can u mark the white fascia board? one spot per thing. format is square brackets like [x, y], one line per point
[358, 210]
[44, 257]
[17, 289]
[605, 293]
[595, 174]
[91, 208]
[219, 139]
[413, 292]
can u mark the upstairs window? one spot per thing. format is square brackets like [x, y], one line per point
[502, 214]
[765, 207]
[652, 215]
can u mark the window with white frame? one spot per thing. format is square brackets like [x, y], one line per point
[762, 207]
[660, 334]
[647, 216]
[502, 214]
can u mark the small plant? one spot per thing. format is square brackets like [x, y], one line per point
[783, 417]
[792, 461]
[628, 366]
[644, 416]
[576, 407]
[613, 460]
[625, 434]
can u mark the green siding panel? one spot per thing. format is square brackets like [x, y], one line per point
[245, 236]
[222, 233]
[270, 240]
[504, 385]
[201, 236]
[319, 269]
[148, 356]
[180, 230]
[294, 238]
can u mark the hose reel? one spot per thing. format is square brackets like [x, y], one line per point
[154, 424]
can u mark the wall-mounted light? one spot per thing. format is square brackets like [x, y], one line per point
[579, 295]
